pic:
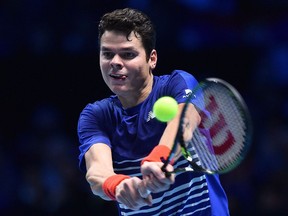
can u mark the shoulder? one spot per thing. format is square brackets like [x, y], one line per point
[176, 84]
[181, 74]
[177, 76]
[103, 104]
[100, 109]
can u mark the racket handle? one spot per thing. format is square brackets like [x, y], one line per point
[143, 191]
[167, 174]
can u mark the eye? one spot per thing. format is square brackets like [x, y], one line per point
[108, 55]
[128, 55]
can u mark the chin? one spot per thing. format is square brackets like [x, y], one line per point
[118, 90]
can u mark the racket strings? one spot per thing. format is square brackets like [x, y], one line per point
[204, 151]
[230, 109]
[226, 125]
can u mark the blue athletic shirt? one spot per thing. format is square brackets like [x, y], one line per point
[132, 134]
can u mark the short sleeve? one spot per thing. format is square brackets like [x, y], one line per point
[181, 85]
[91, 130]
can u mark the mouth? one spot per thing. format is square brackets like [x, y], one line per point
[118, 76]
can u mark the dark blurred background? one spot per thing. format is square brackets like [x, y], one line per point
[49, 72]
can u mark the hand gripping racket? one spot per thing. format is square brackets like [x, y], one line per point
[222, 139]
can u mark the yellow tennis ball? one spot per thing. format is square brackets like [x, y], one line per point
[165, 108]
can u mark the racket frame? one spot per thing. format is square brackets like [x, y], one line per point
[179, 140]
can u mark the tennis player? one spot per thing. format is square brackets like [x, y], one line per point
[121, 141]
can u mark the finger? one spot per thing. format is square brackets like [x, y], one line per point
[171, 176]
[145, 193]
[126, 199]
[152, 167]
[157, 172]
[143, 190]
[152, 183]
[157, 187]
[126, 202]
[145, 198]
[158, 182]
[136, 202]
[148, 200]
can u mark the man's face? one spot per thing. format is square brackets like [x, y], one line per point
[123, 63]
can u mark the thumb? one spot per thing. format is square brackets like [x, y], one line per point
[148, 200]
[143, 191]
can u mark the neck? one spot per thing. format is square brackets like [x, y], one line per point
[136, 97]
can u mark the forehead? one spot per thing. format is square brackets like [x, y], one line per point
[115, 38]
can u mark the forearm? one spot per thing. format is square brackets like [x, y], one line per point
[96, 179]
[191, 122]
[99, 168]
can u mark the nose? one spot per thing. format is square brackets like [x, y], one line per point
[116, 62]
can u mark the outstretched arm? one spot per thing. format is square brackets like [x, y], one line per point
[104, 182]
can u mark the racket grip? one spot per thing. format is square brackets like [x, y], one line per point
[143, 191]
[167, 174]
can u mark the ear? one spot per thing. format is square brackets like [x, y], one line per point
[153, 59]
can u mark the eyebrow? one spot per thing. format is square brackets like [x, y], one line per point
[103, 48]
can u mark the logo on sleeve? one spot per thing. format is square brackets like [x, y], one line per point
[188, 92]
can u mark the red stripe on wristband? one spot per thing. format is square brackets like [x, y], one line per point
[110, 184]
[156, 155]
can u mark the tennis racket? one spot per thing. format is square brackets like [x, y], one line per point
[222, 139]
